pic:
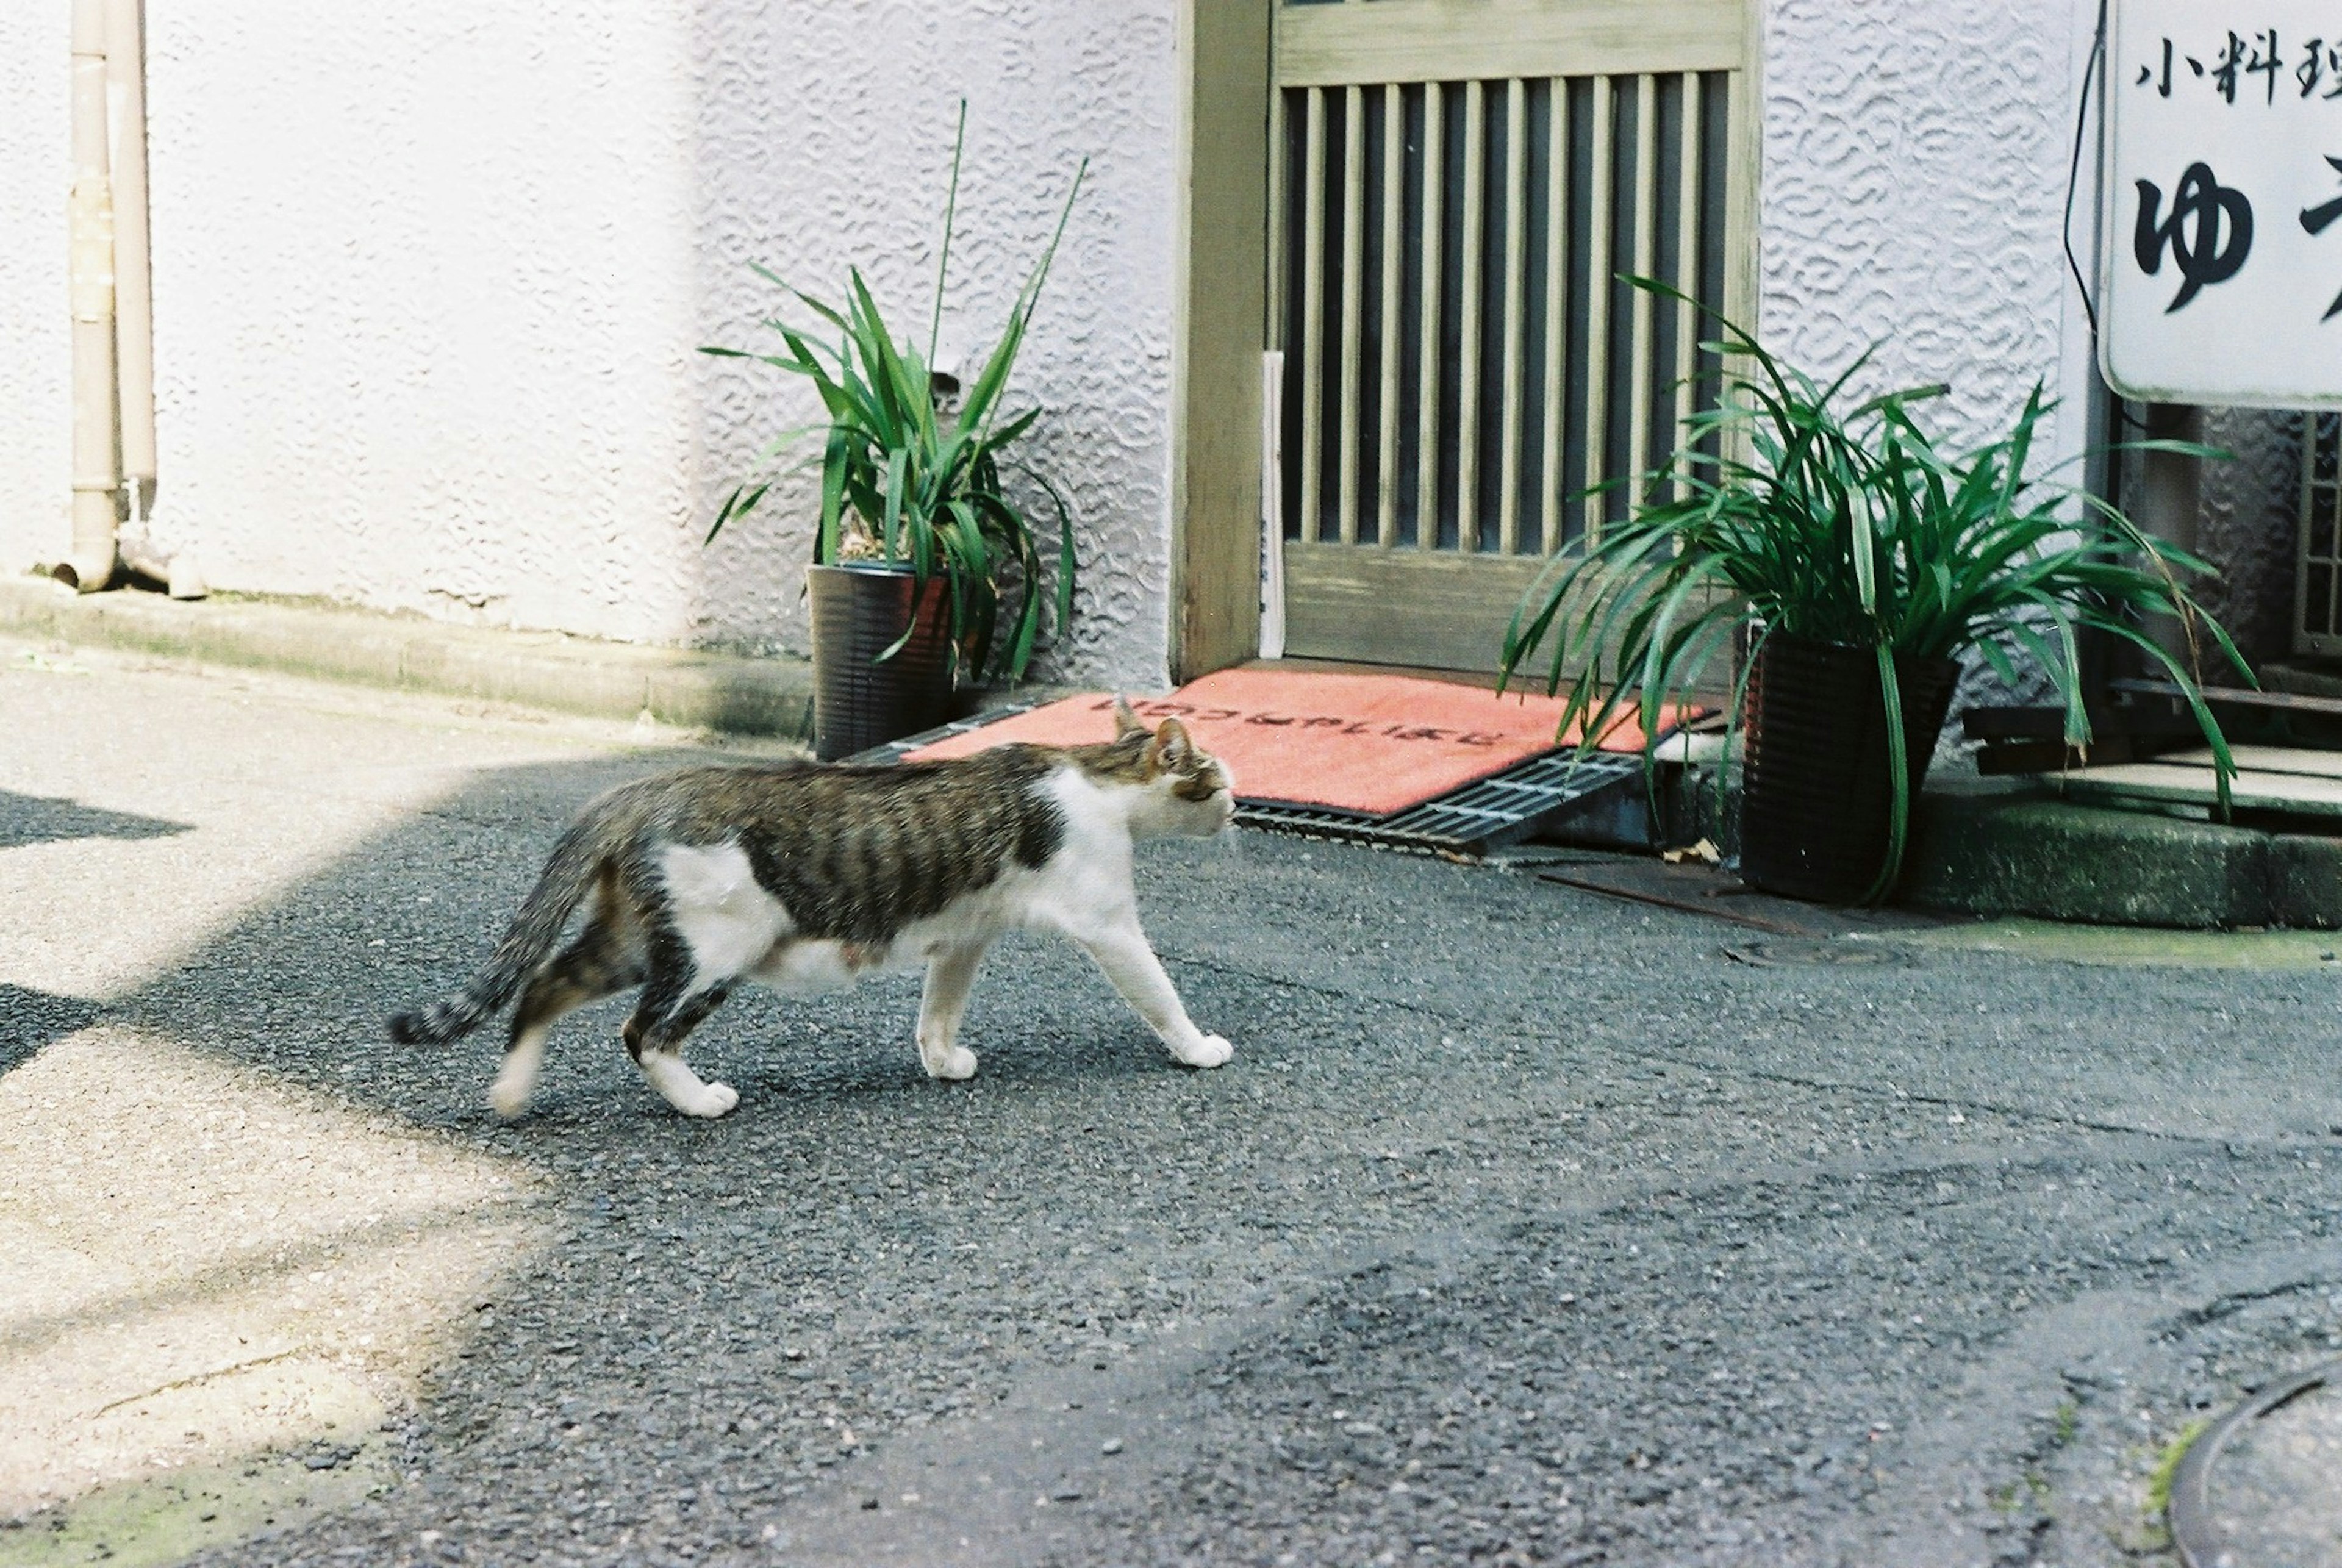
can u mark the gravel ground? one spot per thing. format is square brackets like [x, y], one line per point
[1525, 1227]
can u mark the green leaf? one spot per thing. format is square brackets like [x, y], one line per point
[1843, 521]
[930, 489]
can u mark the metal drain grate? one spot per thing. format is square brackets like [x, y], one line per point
[1470, 820]
[1503, 808]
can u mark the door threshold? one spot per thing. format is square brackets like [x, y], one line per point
[1481, 679]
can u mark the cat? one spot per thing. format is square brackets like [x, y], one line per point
[806, 875]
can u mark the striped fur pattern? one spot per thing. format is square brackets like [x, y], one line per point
[805, 877]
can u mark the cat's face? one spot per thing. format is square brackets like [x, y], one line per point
[1186, 789]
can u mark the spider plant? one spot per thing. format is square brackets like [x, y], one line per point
[1782, 516]
[908, 483]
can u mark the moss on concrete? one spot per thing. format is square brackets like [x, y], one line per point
[173, 1516]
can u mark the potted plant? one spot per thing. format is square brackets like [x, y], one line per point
[923, 552]
[1856, 561]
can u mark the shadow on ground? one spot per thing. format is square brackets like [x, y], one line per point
[39, 819]
[30, 1019]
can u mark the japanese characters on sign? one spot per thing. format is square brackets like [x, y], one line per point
[2220, 220]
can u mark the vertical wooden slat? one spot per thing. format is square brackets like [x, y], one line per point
[2334, 548]
[1745, 115]
[1516, 169]
[1278, 223]
[1556, 309]
[2302, 552]
[1467, 366]
[1353, 251]
[2320, 422]
[1434, 224]
[1597, 307]
[1688, 257]
[2300, 544]
[2334, 581]
[1312, 315]
[1393, 249]
[2317, 430]
[1647, 226]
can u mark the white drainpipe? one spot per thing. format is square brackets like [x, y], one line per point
[114, 314]
[133, 300]
[96, 477]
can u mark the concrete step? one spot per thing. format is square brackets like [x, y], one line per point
[682, 686]
[2012, 846]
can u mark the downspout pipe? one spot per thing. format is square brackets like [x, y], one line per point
[96, 472]
[134, 301]
[133, 296]
[114, 465]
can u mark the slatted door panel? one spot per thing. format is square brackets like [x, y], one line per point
[2318, 616]
[1460, 183]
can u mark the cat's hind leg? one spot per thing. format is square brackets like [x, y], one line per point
[673, 1004]
[604, 958]
[951, 974]
[1121, 950]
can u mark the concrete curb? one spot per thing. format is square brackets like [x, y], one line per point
[678, 687]
[1997, 847]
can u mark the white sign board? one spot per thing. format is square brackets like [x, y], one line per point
[2220, 216]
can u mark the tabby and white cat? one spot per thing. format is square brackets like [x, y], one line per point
[806, 876]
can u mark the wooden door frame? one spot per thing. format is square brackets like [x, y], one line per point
[1220, 325]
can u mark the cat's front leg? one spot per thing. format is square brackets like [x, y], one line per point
[951, 974]
[1122, 950]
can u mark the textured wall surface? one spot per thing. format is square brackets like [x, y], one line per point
[36, 337]
[422, 305]
[430, 278]
[826, 134]
[1914, 189]
[1915, 160]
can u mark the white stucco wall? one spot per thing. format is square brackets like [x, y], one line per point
[35, 340]
[430, 280]
[430, 277]
[851, 168]
[1914, 169]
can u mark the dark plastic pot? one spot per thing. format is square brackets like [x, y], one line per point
[1816, 794]
[858, 700]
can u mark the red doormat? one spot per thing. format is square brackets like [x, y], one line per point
[1374, 745]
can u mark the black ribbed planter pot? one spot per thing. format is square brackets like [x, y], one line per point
[859, 701]
[1816, 795]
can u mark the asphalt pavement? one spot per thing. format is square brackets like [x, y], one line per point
[1528, 1225]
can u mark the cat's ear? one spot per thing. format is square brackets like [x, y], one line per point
[1126, 723]
[1172, 748]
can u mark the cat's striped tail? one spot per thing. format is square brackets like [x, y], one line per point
[534, 931]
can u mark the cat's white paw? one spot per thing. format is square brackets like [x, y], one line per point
[507, 1098]
[718, 1099]
[680, 1087]
[1208, 1052]
[956, 1068]
[516, 1076]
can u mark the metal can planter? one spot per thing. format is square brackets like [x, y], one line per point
[860, 700]
[1816, 796]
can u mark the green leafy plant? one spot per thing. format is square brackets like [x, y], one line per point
[910, 484]
[1781, 514]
